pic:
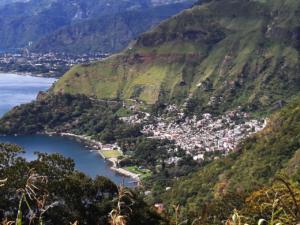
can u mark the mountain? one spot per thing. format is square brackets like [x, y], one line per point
[216, 56]
[25, 23]
[109, 33]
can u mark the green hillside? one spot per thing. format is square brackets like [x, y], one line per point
[217, 55]
[254, 165]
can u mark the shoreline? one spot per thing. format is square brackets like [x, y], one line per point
[97, 146]
[29, 74]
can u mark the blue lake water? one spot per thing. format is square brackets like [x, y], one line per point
[15, 90]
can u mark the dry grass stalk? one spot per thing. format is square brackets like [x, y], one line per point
[36, 193]
[118, 216]
[2, 182]
[235, 219]
[6, 222]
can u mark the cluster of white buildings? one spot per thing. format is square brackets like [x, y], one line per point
[50, 64]
[205, 134]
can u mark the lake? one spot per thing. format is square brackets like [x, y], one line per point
[16, 90]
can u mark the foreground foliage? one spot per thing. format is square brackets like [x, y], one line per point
[225, 184]
[243, 181]
[58, 194]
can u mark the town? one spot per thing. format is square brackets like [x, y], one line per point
[49, 64]
[198, 136]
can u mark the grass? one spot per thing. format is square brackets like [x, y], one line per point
[143, 172]
[149, 80]
[221, 44]
[123, 112]
[111, 153]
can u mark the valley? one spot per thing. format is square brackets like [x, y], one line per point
[201, 109]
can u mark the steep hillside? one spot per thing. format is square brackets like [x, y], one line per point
[217, 55]
[254, 165]
[25, 23]
[109, 33]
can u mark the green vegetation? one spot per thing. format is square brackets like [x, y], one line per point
[123, 112]
[145, 173]
[150, 157]
[58, 194]
[273, 205]
[111, 154]
[77, 114]
[98, 120]
[216, 56]
[42, 69]
[54, 193]
[238, 181]
[225, 184]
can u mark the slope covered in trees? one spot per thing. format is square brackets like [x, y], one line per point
[69, 113]
[217, 55]
[225, 184]
[242, 180]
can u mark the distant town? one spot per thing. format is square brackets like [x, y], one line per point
[49, 64]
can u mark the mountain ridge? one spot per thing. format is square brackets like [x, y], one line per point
[109, 33]
[216, 56]
[25, 23]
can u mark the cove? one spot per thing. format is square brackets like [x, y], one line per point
[19, 89]
[87, 161]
